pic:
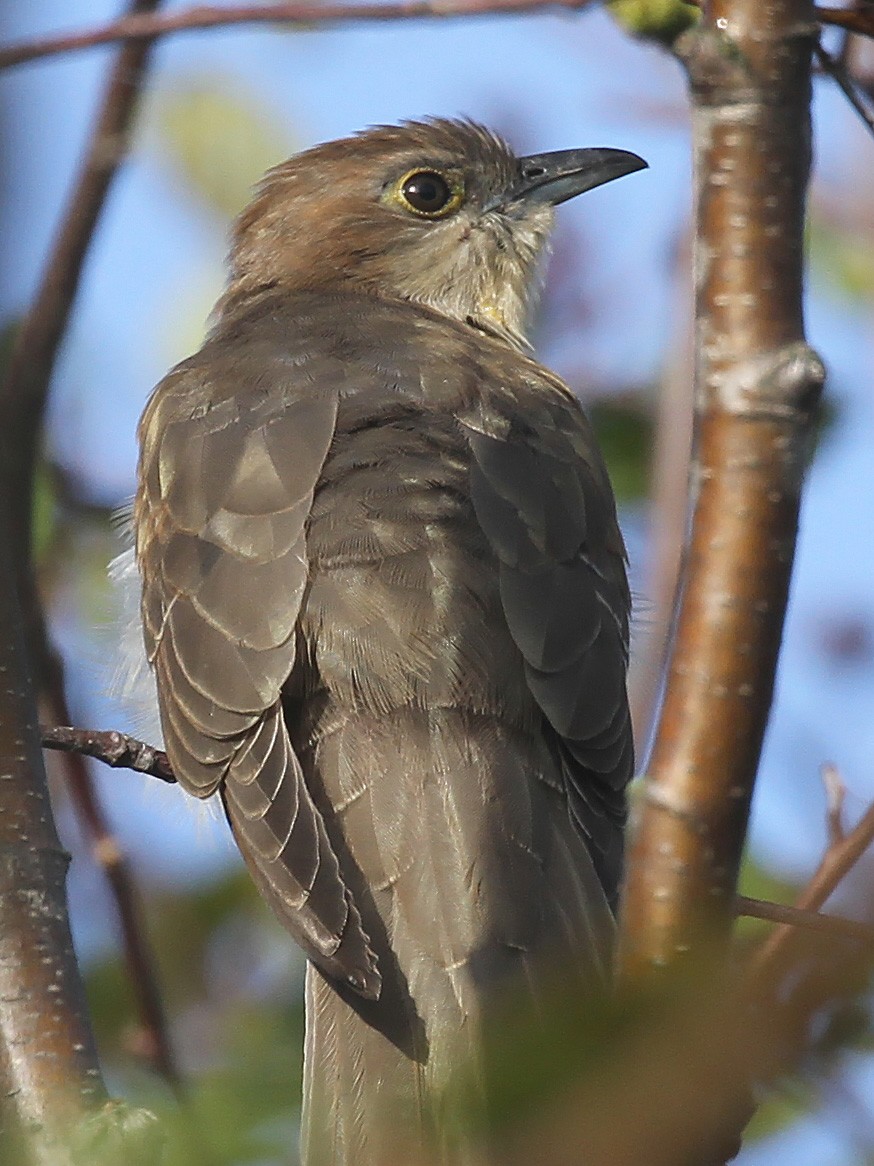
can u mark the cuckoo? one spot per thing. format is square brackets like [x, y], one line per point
[384, 598]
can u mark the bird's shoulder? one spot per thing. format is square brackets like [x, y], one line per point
[276, 346]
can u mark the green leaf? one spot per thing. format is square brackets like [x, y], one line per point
[661, 20]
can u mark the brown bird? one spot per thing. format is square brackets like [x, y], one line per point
[385, 600]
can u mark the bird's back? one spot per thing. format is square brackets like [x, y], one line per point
[385, 601]
[439, 777]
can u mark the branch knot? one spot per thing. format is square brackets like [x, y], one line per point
[772, 385]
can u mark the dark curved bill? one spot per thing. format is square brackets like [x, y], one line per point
[563, 174]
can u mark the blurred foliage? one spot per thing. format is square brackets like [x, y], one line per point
[757, 882]
[221, 140]
[45, 512]
[843, 258]
[240, 1049]
[783, 1106]
[624, 428]
[661, 20]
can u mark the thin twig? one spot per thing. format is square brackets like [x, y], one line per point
[835, 794]
[114, 749]
[836, 863]
[810, 920]
[859, 19]
[138, 28]
[844, 81]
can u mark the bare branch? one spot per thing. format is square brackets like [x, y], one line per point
[51, 1091]
[140, 28]
[49, 1074]
[758, 386]
[25, 389]
[109, 855]
[811, 920]
[838, 860]
[841, 76]
[859, 19]
[114, 749]
[24, 395]
[835, 794]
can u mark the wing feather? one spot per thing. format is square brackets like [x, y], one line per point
[543, 500]
[229, 466]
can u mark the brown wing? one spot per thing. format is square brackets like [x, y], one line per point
[543, 499]
[226, 485]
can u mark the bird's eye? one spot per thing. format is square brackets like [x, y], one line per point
[428, 194]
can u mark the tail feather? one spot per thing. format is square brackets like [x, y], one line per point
[460, 852]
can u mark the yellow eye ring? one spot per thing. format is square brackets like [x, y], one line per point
[428, 194]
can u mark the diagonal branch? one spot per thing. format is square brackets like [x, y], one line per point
[859, 19]
[138, 28]
[23, 397]
[840, 857]
[791, 917]
[839, 73]
[758, 385]
[24, 391]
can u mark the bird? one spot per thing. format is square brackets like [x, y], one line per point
[384, 597]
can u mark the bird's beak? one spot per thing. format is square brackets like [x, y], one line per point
[554, 178]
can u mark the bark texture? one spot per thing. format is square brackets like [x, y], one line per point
[758, 388]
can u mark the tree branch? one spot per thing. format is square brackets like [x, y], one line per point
[139, 28]
[109, 855]
[120, 751]
[838, 72]
[758, 386]
[49, 1074]
[51, 1078]
[51, 1091]
[807, 920]
[25, 388]
[114, 749]
[840, 857]
[859, 19]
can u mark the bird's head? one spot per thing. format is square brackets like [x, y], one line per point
[440, 212]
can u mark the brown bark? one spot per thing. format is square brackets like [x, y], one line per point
[117, 750]
[49, 1076]
[153, 1035]
[52, 1091]
[757, 387]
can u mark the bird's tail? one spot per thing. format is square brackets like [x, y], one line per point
[471, 880]
[369, 1101]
